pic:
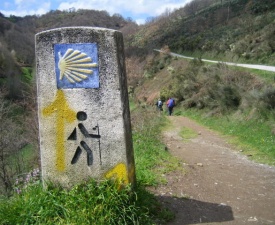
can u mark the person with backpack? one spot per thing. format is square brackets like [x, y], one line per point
[159, 105]
[170, 105]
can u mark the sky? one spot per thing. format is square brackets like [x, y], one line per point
[138, 10]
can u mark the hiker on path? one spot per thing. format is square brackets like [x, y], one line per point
[170, 105]
[159, 105]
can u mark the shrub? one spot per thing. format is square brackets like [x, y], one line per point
[268, 98]
[218, 88]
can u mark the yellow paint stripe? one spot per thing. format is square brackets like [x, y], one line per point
[119, 172]
[64, 114]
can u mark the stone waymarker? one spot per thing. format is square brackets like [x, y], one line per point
[83, 108]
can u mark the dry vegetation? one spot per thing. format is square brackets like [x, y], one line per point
[18, 140]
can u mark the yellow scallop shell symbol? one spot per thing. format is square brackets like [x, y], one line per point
[75, 65]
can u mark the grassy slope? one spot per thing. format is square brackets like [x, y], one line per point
[244, 36]
[150, 89]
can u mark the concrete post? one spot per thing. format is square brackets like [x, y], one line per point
[83, 108]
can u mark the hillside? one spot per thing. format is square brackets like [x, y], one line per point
[236, 30]
[229, 30]
[17, 37]
[232, 30]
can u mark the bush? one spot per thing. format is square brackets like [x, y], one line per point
[218, 88]
[268, 98]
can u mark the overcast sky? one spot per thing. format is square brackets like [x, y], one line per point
[138, 10]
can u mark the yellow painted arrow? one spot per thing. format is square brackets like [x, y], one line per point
[64, 114]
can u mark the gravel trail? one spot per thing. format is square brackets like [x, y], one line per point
[220, 186]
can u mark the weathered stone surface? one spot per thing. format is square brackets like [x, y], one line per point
[83, 108]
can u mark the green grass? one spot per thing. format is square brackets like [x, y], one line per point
[265, 75]
[132, 104]
[87, 203]
[152, 160]
[29, 155]
[252, 137]
[27, 74]
[187, 133]
[26, 154]
[100, 203]
[26, 158]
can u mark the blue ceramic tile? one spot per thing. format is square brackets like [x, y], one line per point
[76, 65]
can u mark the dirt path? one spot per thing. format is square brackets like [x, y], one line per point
[221, 186]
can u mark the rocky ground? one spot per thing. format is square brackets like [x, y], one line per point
[220, 185]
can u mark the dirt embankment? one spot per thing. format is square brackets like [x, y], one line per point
[221, 186]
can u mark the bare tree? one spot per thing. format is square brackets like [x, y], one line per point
[11, 71]
[30, 122]
[191, 8]
[11, 142]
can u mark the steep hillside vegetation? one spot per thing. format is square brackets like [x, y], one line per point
[236, 30]
[232, 30]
